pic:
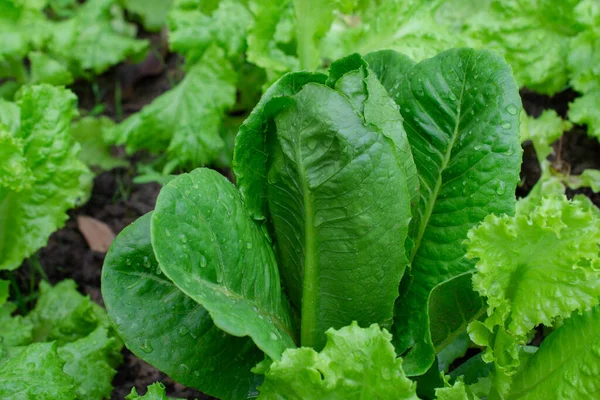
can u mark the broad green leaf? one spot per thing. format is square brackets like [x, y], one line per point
[540, 265]
[210, 248]
[453, 351]
[45, 69]
[156, 391]
[191, 31]
[461, 113]
[22, 28]
[356, 363]
[339, 228]
[166, 328]
[453, 304]
[153, 13]
[250, 153]
[95, 152]
[185, 120]
[567, 364]
[585, 111]
[59, 180]
[91, 361]
[35, 372]
[62, 313]
[543, 131]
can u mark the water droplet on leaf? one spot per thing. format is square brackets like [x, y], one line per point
[512, 109]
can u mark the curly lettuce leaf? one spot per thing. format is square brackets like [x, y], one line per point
[23, 27]
[95, 38]
[95, 152]
[543, 131]
[58, 179]
[156, 391]
[585, 111]
[192, 31]
[540, 265]
[187, 119]
[91, 361]
[567, 364]
[163, 326]
[461, 113]
[35, 372]
[15, 331]
[356, 363]
[45, 69]
[153, 13]
[588, 178]
[63, 314]
[15, 173]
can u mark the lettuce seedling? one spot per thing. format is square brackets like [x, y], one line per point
[350, 186]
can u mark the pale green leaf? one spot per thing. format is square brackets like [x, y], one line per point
[45, 69]
[543, 131]
[95, 152]
[585, 110]
[156, 391]
[356, 363]
[153, 13]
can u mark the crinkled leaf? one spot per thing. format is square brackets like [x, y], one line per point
[59, 180]
[95, 152]
[356, 363]
[153, 13]
[461, 111]
[15, 331]
[168, 329]
[62, 313]
[585, 111]
[45, 69]
[567, 364]
[458, 391]
[206, 243]
[191, 31]
[533, 268]
[15, 173]
[156, 391]
[186, 120]
[91, 361]
[584, 61]
[543, 131]
[588, 178]
[35, 372]
[22, 28]
[96, 38]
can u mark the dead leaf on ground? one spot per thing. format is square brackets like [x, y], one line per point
[97, 234]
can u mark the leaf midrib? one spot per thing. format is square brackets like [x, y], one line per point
[432, 200]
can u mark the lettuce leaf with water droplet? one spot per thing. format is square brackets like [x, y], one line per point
[461, 114]
[41, 175]
[355, 363]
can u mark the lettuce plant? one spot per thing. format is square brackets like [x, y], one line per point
[41, 176]
[351, 185]
[63, 349]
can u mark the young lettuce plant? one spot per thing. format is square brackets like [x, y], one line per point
[344, 180]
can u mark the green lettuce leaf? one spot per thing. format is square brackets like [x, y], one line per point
[165, 327]
[585, 111]
[356, 363]
[45, 69]
[58, 179]
[461, 113]
[91, 361]
[35, 372]
[62, 314]
[588, 178]
[95, 38]
[540, 265]
[23, 27]
[153, 13]
[543, 131]
[192, 31]
[186, 120]
[458, 391]
[223, 260]
[567, 363]
[89, 132]
[156, 391]
[15, 173]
